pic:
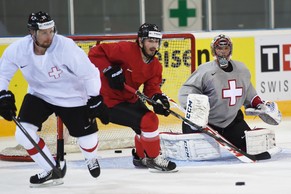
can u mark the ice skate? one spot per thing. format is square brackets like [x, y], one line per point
[160, 164]
[137, 161]
[93, 166]
[47, 179]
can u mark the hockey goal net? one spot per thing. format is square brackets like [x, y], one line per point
[177, 55]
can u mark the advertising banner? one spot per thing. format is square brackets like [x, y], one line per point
[273, 67]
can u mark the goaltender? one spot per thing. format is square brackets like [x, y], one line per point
[217, 90]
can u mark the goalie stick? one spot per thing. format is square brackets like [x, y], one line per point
[241, 155]
[55, 169]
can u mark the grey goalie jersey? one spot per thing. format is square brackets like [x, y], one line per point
[227, 91]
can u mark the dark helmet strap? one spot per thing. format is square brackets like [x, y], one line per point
[147, 30]
[149, 57]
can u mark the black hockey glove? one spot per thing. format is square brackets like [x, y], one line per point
[7, 105]
[98, 109]
[115, 77]
[162, 107]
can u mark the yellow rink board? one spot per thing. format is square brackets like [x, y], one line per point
[176, 71]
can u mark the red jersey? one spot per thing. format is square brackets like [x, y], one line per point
[128, 56]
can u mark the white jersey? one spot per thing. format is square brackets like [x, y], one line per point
[63, 76]
[227, 91]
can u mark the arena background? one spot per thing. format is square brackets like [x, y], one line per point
[247, 48]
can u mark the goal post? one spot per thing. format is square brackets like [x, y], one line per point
[177, 56]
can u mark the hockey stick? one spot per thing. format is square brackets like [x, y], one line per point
[55, 169]
[60, 140]
[241, 155]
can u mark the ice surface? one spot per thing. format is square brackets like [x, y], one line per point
[118, 175]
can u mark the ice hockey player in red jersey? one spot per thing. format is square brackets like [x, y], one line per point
[61, 80]
[135, 64]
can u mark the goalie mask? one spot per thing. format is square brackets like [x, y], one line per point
[221, 49]
[146, 31]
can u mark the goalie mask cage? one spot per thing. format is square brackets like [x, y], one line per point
[176, 54]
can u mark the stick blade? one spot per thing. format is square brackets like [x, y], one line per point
[263, 156]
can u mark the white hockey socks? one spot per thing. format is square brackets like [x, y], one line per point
[88, 145]
[32, 151]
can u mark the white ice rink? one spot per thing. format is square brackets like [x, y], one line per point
[118, 175]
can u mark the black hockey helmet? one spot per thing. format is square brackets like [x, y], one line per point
[40, 21]
[147, 30]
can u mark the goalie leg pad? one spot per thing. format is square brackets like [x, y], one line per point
[194, 146]
[260, 140]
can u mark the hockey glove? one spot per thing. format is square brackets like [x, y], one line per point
[267, 111]
[115, 77]
[7, 105]
[162, 106]
[98, 109]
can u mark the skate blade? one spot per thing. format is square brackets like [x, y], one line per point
[153, 170]
[50, 183]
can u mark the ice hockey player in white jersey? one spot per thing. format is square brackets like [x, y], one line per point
[61, 80]
[227, 85]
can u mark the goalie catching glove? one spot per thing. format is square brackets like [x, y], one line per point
[267, 111]
[162, 106]
[7, 105]
[97, 108]
[115, 77]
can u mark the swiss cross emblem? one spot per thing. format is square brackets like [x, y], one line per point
[232, 92]
[55, 72]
